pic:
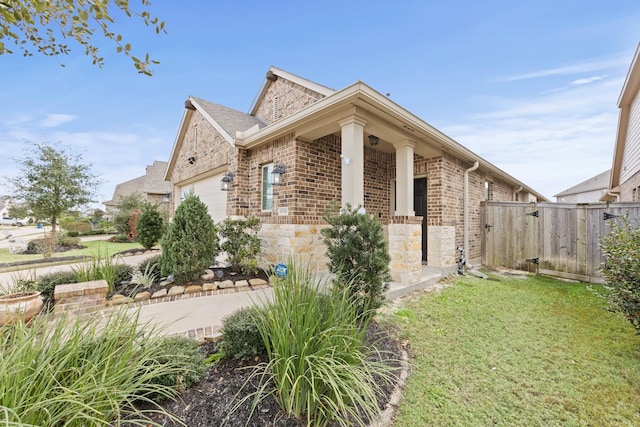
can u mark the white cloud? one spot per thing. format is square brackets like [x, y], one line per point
[587, 80]
[550, 142]
[617, 62]
[55, 120]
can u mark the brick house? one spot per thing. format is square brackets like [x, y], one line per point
[624, 183]
[353, 146]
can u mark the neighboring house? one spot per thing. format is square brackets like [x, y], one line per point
[353, 146]
[624, 184]
[589, 191]
[151, 186]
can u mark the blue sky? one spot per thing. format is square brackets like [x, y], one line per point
[532, 87]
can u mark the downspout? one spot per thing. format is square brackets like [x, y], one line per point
[515, 193]
[466, 211]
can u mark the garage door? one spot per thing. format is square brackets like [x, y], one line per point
[209, 192]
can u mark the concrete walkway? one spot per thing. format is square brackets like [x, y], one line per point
[200, 315]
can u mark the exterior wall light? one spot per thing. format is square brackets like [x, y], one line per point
[278, 171]
[225, 182]
[373, 140]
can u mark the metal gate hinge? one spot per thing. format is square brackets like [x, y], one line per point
[533, 260]
[607, 216]
[488, 227]
[536, 214]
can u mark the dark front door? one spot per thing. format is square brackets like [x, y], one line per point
[420, 207]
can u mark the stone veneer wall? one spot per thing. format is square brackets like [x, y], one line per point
[80, 298]
[301, 242]
[404, 240]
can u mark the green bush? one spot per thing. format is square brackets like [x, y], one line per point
[73, 233]
[621, 251]
[48, 282]
[322, 369]
[358, 255]
[241, 338]
[36, 246]
[239, 240]
[184, 355]
[78, 225]
[67, 240]
[85, 371]
[119, 238]
[150, 265]
[94, 232]
[150, 226]
[126, 206]
[190, 244]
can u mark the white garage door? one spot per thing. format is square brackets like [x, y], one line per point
[209, 192]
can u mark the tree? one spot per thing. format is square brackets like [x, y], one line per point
[51, 182]
[358, 255]
[150, 226]
[19, 211]
[126, 206]
[41, 24]
[190, 244]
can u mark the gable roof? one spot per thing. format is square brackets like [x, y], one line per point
[629, 92]
[598, 182]
[225, 120]
[154, 182]
[272, 76]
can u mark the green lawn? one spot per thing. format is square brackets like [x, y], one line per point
[518, 352]
[95, 248]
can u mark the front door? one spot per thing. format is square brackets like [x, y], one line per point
[420, 207]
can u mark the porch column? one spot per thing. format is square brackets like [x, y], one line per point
[404, 177]
[352, 161]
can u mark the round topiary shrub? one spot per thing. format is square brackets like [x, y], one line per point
[241, 338]
[150, 227]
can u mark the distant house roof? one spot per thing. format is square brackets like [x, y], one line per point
[151, 183]
[598, 182]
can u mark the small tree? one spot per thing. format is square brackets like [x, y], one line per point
[150, 226]
[126, 205]
[239, 239]
[621, 251]
[358, 255]
[190, 244]
[51, 182]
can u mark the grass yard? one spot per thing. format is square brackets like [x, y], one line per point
[509, 351]
[94, 248]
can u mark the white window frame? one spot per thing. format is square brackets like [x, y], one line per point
[266, 188]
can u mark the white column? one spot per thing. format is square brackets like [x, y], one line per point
[352, 161]
[404, 177]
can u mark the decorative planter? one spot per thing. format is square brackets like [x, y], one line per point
[19, 306]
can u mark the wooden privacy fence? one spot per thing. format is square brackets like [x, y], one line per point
[559, 239]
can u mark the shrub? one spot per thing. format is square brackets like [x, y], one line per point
[48, 282]
[190, 244]
[103, 268]
[82, 372]
[133, 224]
[241, 337]
[150, 265]
[126, 205]
[358, 255]
[67, 240]
[621, 251]
[119, 238]
[150, 227]
[318, 361]
[78, 225]
[73, 233]
[35, 246]
[239, 239]
[184, 355]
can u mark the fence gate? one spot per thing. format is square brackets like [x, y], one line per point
[552, 238]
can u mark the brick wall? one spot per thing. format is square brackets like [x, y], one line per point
[80, 298]
[626, 188]
[211, 150]
[284, 98]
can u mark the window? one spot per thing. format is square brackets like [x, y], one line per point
[267, 187]
[488, 190]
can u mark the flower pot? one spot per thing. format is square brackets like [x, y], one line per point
[19, 306]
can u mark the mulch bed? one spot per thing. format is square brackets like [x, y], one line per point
[208, 402]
